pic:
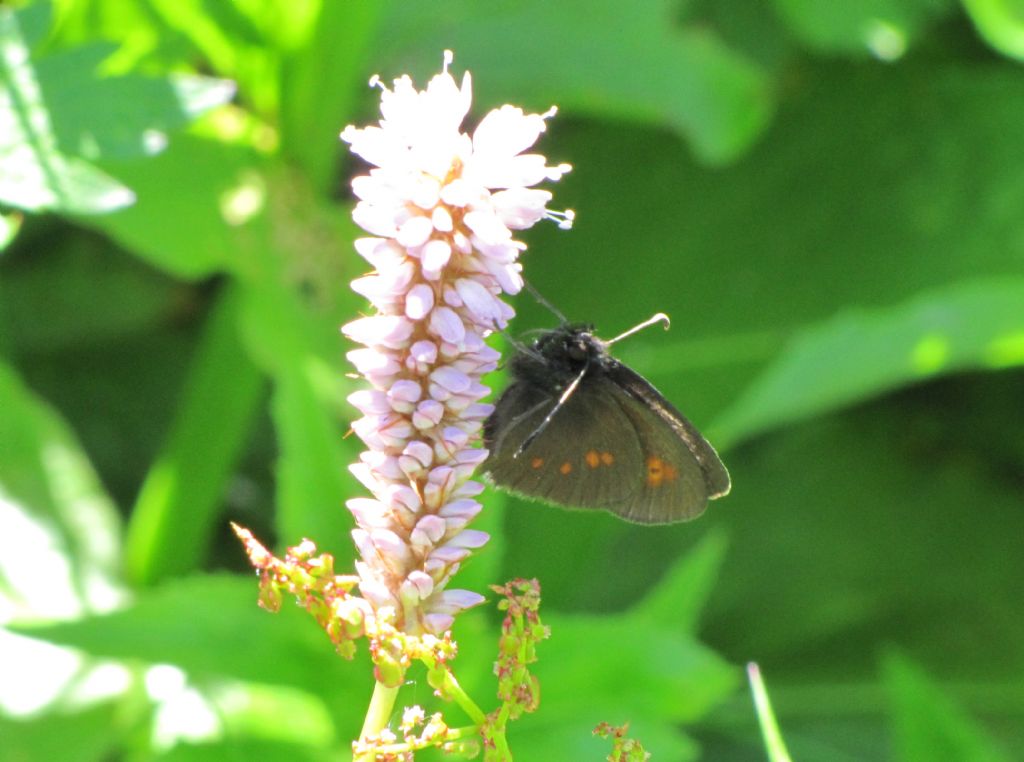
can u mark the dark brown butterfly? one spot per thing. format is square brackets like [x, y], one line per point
[579, 429]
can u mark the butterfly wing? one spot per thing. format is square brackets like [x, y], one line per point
[586, 457]
[681, 471]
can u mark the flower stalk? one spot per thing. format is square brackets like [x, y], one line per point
[440, 205]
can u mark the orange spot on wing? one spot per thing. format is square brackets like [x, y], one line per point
[655, 471]
[607, 458]
[536, 463]
[592, 458]
[565, 469]
[659, 472]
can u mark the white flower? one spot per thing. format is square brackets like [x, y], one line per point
[441, 205]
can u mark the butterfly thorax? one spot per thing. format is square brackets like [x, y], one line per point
[558, 356]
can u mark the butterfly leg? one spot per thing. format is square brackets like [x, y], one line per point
[547, 419]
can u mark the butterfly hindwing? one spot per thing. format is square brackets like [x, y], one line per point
[681, 471]
[584, 458]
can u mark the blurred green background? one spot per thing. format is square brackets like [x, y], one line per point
[827, 198]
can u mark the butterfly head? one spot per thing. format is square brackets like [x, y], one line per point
[558, 355]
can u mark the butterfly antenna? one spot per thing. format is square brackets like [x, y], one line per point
[547, 419]
[544, 302]
[516, 344]
[661, 317]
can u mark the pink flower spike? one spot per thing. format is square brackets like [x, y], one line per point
[419, 301]
[437, 623]
[440, 203]
[454, 601]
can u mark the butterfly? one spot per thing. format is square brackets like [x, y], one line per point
[580, 429]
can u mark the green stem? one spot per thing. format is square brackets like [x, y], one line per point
[773, 742]
[500, 742]
[452, 687]
[377, 716]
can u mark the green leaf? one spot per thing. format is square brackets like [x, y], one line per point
[119, 117]
[75, 285]
[178, 505]
[9, 226]
[74, 737]
[300, 353]
[54, 507]
[211, 625]
[650, 69]
[245, 749]
[860, 354]
[883, 28]
[678, 599]
[839, 522]
[34, 174]
[1000, 23]
[241, 40]
[330, 62]
[630, 670]
[220, 189]
[926, 724]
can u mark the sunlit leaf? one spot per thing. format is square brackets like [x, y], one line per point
[34, 174]
[1000, 23]
[868, 352]
[119, 117]
[59, 531]
[212, 626]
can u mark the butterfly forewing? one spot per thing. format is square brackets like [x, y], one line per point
[584, 459]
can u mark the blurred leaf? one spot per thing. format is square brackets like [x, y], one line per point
[201, 181]
[52, 506]
[57, 108]
[241, 40]
[1000, 23]
[869, 352]
[119, 117]
[9, 226]
[210, 625]
[274, 713]
[926, 724]
[884, 28]
[173, 518]
[245, 750]
[34, 20]
[867, 527]
[34, 174]
[80, 737]
[312, 473]
[677, 601]
[313, 481]
[621, 668]
[329, 62]
[74, 284]
[650, 69]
